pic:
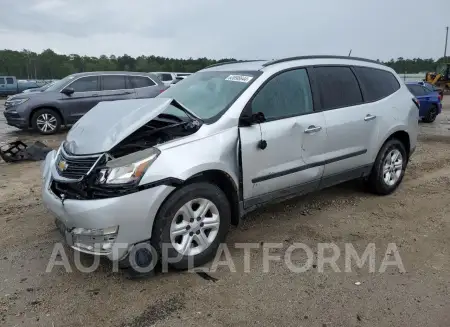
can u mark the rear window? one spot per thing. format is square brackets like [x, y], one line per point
[417, 90]
[2, 80]
[376, 84]
[113, 82]
[140, 81]
[165, 77]
[338, 87]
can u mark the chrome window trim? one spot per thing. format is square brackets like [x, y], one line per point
[101, 75]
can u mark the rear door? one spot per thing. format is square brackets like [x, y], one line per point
[116, 87]
[295, 136]
[85, 97]
[144, 86]
[350, 124]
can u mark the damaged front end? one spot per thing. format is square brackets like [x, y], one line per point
[119, 170]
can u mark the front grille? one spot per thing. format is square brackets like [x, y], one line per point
[74, 167]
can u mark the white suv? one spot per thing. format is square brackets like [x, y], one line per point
[178, 169]
[168, 78]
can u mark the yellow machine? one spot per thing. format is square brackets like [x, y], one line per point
[441, 78]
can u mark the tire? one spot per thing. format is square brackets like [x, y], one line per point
[376, 181]
[51, 116]
[168, 218]
[431, 115]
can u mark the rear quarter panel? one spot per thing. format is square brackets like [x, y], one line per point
[403, 115]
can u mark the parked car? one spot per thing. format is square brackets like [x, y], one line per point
[430, 101]
[433, 88]
[168, 78]
[178, 169]
[9, 85]
[67, 100]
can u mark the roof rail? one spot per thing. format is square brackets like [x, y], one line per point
[231, 62]
[273, 62]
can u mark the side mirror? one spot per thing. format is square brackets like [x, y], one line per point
[256, 118]
[68, 91]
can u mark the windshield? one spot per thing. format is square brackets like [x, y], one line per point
[58, 85]
[209, 94]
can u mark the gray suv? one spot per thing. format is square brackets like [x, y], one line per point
[67, 100]
[175, 171]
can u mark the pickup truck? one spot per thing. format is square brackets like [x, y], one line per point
[9, 85]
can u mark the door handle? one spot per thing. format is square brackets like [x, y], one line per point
[312, 129]
[95, 95]
[369, 117]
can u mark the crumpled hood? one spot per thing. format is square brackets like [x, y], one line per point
[110, 122]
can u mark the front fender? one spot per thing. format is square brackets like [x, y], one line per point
[214, 152]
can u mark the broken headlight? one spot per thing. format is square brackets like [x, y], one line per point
[128, 169]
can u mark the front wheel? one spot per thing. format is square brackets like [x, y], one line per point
[389, 168]
[191, 224]
[46, 121]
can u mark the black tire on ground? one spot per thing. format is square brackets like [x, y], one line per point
[431, 115]
[51, 114]
[163, 220]
[375, 182]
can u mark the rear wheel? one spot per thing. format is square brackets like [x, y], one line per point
[431, 115]
[46, 121]
[191, 224]
[389, 168]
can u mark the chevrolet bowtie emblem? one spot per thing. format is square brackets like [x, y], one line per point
[62, 165]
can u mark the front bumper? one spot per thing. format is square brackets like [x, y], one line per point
[14, 119]
[133, 214]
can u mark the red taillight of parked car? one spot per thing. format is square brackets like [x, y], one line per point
[416, 102]
[440, 97]
[161, 91]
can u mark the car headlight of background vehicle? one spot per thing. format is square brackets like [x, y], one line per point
[14, 102]
[128, 169]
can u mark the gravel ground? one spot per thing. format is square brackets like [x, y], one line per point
[416, 218]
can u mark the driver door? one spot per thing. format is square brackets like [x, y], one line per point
[85, 97]
[292, 161]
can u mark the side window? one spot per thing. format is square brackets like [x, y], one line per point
[376, 84]
[338, 87]
[166, 77]
[85, 84]
[2, 80]
[140, 81]
[113, 82]
[285, 95]
[9, 80]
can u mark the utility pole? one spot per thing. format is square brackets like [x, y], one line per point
[350, 52]
[446, 39]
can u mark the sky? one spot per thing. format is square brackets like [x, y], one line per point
[244, 29]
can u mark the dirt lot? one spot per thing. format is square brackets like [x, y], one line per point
[416, 218]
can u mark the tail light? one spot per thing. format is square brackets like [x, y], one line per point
[416, 102]
[161, 91]
[440, 97]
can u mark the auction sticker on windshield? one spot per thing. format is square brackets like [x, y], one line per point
[239, 78]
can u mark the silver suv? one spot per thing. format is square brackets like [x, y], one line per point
[178, 169]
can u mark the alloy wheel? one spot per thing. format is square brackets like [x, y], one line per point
[194, 227]
[46, 122]
[392, 167]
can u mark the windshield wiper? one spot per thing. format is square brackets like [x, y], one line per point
[189, 113]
